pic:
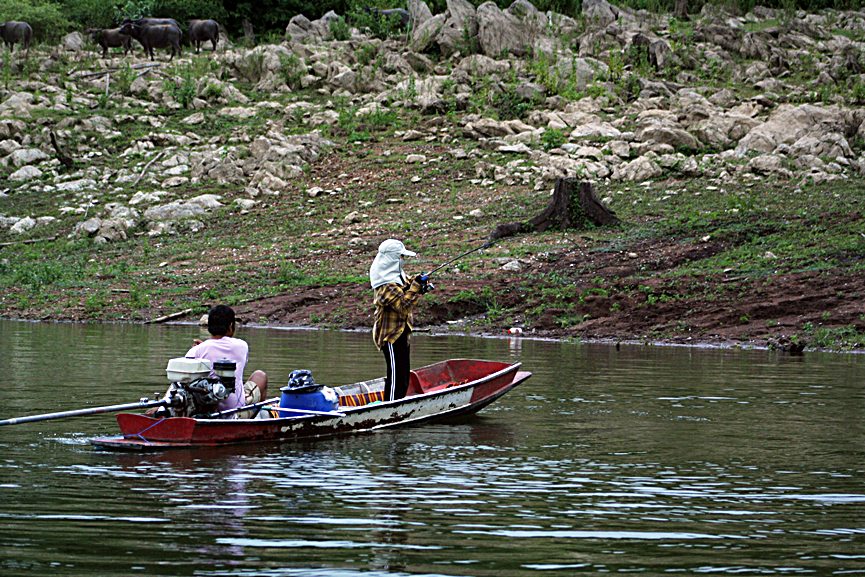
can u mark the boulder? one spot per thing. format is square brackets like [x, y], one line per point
[10, 128]
[8, 146]
[24, 156]
[25, 173]
[111, 230]
[424, 36]
[23, 226]
[419, 12]
[206, 201]
[595, 130]
[500, 33]
[73, 42]
[639, 169]
[298, 28]
[600, 13]
[831, 145]
[768, 164]
[78, 185]
[479, 66]
[663, 133]
[788, 123]
[173, 211]
[87, 228]
[460, 30]
[18, 105]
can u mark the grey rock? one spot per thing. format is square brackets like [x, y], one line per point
[23, 226]
[298, 28]
[639, 169]
[25, 173]
[173, 211]
[419, 12]
[425, 35]
[73, 42]
[78, 185]
[500, 33]
[24, 156]
[460, 28]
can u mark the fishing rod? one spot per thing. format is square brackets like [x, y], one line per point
[487, 244]
[144, 403]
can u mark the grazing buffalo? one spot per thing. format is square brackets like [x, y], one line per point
[110, 38]
[13, 32]
[202, 31]
[155, 36]
[152, 22]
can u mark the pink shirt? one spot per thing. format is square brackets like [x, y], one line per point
[225, 348]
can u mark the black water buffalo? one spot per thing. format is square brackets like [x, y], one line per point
[13, 32]
[155, 36]
[110, 38]
[202, 31]
[152, 22]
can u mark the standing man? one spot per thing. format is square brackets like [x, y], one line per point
[394, 297]
[221, 325]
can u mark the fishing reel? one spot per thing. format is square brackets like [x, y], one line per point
[425, 284]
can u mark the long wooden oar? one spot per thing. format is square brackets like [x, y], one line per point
[142, 404]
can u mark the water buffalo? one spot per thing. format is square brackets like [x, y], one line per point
[202, 31]
[110, 38]
[152, 22]
[13, 32]
[155, 36]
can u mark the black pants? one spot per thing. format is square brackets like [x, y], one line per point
[396, 357]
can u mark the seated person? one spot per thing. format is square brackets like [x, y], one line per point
[221, 325]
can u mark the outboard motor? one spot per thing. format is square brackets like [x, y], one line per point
[193, 391]
[302, 392]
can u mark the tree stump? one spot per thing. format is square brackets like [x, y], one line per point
[248, 33]
[569, 208]
[64, 158]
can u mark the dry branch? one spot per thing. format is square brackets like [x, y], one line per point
[152, 160]
[28, 241]
[165, 318]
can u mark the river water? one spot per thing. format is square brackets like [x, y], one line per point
[651, 460]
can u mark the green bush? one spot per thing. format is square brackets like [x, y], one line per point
[553, 138]
[378, 25]
[134, 9]
[339, 29]
[46, 19]
[88, 13]
[185, 10]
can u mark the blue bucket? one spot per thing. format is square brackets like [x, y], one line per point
[314, 400]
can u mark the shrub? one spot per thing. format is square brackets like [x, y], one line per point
[378, 25]
[292, 70]
[88, 13]
[134, 9]
[185, 10]
[339, 29]
[553, 138]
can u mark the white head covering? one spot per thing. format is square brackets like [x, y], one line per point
[387, 266]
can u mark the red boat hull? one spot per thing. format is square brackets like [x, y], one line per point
[439, 391]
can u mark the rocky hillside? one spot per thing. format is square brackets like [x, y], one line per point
[732, 148]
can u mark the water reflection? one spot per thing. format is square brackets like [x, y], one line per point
[642, 459]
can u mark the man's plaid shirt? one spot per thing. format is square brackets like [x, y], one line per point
[393, 311]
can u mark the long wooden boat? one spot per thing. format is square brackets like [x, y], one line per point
[446, 389]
